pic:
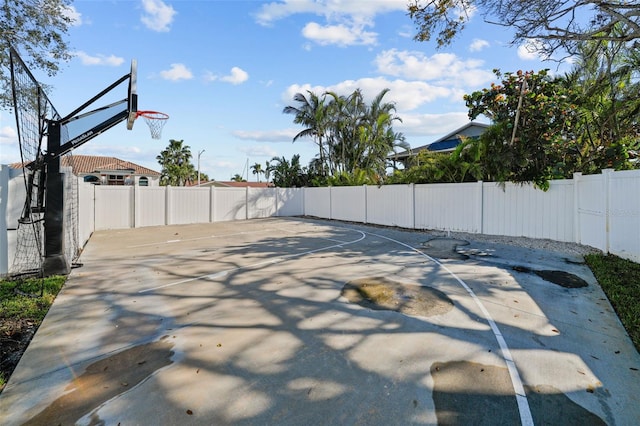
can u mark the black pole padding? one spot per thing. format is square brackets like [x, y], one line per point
[55, 262]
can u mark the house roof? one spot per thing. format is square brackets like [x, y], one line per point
[446, 142]
[95, 163]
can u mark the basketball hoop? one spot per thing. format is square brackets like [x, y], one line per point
[155, 120]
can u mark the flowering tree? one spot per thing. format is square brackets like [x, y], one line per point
[538, 131]
[532, 137]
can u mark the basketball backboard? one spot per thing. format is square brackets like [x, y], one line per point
[132, 100]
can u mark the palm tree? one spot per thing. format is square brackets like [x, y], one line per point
[267, 171]
[176, 164]
[364, 135]
[237, 178]
[382, 140]
[311, 113]
[347, 113]
[256, 169]
[605, 86]
[288, 174]
[350, 134]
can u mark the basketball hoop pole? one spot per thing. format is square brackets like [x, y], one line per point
[55, 262]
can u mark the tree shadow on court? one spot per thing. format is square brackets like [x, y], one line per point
[260, 334]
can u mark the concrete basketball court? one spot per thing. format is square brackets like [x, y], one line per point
[266, 322]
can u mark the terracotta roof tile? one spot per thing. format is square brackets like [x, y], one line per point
[93, 163]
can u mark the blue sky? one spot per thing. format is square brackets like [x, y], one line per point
[224, 71]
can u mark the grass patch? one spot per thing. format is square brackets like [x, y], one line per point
[23, 306]
[28, 299]
[620, 280]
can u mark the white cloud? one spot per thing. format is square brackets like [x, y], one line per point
[430, 124]
[237, 76]
[157, 15]
[445, 68]
[99, 59]
[341, 35]
[345, 21]
[259, 151]
[274, 11]
[70, 12]
[406, 32]
[9, 149]
[8, 136]
[407, 95]
[177, 72]
[284, 135]
[225, 165]
[478, 44]
[529, 51]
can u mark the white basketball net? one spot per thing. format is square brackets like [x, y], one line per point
[155, 121]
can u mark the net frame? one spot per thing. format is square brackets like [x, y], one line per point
[155, 120]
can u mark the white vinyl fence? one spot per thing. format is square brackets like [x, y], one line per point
[602, 211]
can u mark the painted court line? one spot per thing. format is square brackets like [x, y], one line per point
[521, 397]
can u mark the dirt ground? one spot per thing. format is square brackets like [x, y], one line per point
[15, 336]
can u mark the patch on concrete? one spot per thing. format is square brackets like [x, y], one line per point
[104, 380]
[561, 278]
[468, 393]
[549, 405]
[445, 248]
[381, 293]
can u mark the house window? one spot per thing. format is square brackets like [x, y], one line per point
[143, 181]
[115, 180]
[92, 179]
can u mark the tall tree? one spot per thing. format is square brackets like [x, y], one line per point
[348, 113]
[604, 84]
[288, 174]
[256, 169]
[362, 134]
[381, 140]
[267, 171]
[37, 29]
[175, 160]
[311, 113]
[554, 24]
[533, 130]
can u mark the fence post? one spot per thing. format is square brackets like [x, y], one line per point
[330, 204]
[167, 205]
[4, 202]
[606, 175]
[413, 205]
[366, 207]
[136, 204]
[212, 206]
[577, 232]
[480, 207]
